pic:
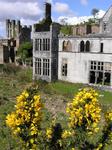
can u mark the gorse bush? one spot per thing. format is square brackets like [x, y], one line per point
[85, 118]
[25, 120]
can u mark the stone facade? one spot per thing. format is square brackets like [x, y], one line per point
[80, 58]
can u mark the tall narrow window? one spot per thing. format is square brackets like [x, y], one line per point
[69, 46]
[82, 46]
[38, 66]
[64, 46]
[101, 47]
[46, 67]
[43, 44]
[40, 44]
[36, 44]
[64, 67]
[46, 44]
[87, 46]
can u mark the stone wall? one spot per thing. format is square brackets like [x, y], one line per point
[4, 54]
[84, 29]
[78, 63]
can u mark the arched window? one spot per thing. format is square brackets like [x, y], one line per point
[69, 46]
[82, 46]
[64, 46]
[87, 46]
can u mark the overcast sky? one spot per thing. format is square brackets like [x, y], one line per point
[31, 11]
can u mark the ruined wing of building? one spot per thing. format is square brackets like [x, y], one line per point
[15, 36]
[78, 59]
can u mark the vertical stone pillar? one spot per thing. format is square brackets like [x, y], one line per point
[8, 28]
[13, 29]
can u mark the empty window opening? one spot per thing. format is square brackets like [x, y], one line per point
[67, 46]
[101, 47]
[100, 72]
[87, 46]
[64, 46]
[82, 46]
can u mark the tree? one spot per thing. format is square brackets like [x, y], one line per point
[63, 21]
[94, 12]
[66, 29]
[25, 51]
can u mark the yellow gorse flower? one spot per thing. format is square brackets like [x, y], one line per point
[66, 134]
[49, 133]
[84, 110]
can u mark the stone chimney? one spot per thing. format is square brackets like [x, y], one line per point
[48, 12]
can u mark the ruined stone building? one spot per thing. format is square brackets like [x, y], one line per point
[45, 48]
[84, 29]
[81, 59]
[17, 32]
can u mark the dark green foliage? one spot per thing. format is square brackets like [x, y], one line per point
[25, 50]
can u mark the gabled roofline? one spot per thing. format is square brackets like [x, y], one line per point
[106, 12]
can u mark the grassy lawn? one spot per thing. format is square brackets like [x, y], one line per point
[13, 80]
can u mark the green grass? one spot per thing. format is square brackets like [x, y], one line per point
[66, 89]
[69, 90]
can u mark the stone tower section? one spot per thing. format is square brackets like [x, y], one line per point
[45, 48]
[13, 28]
